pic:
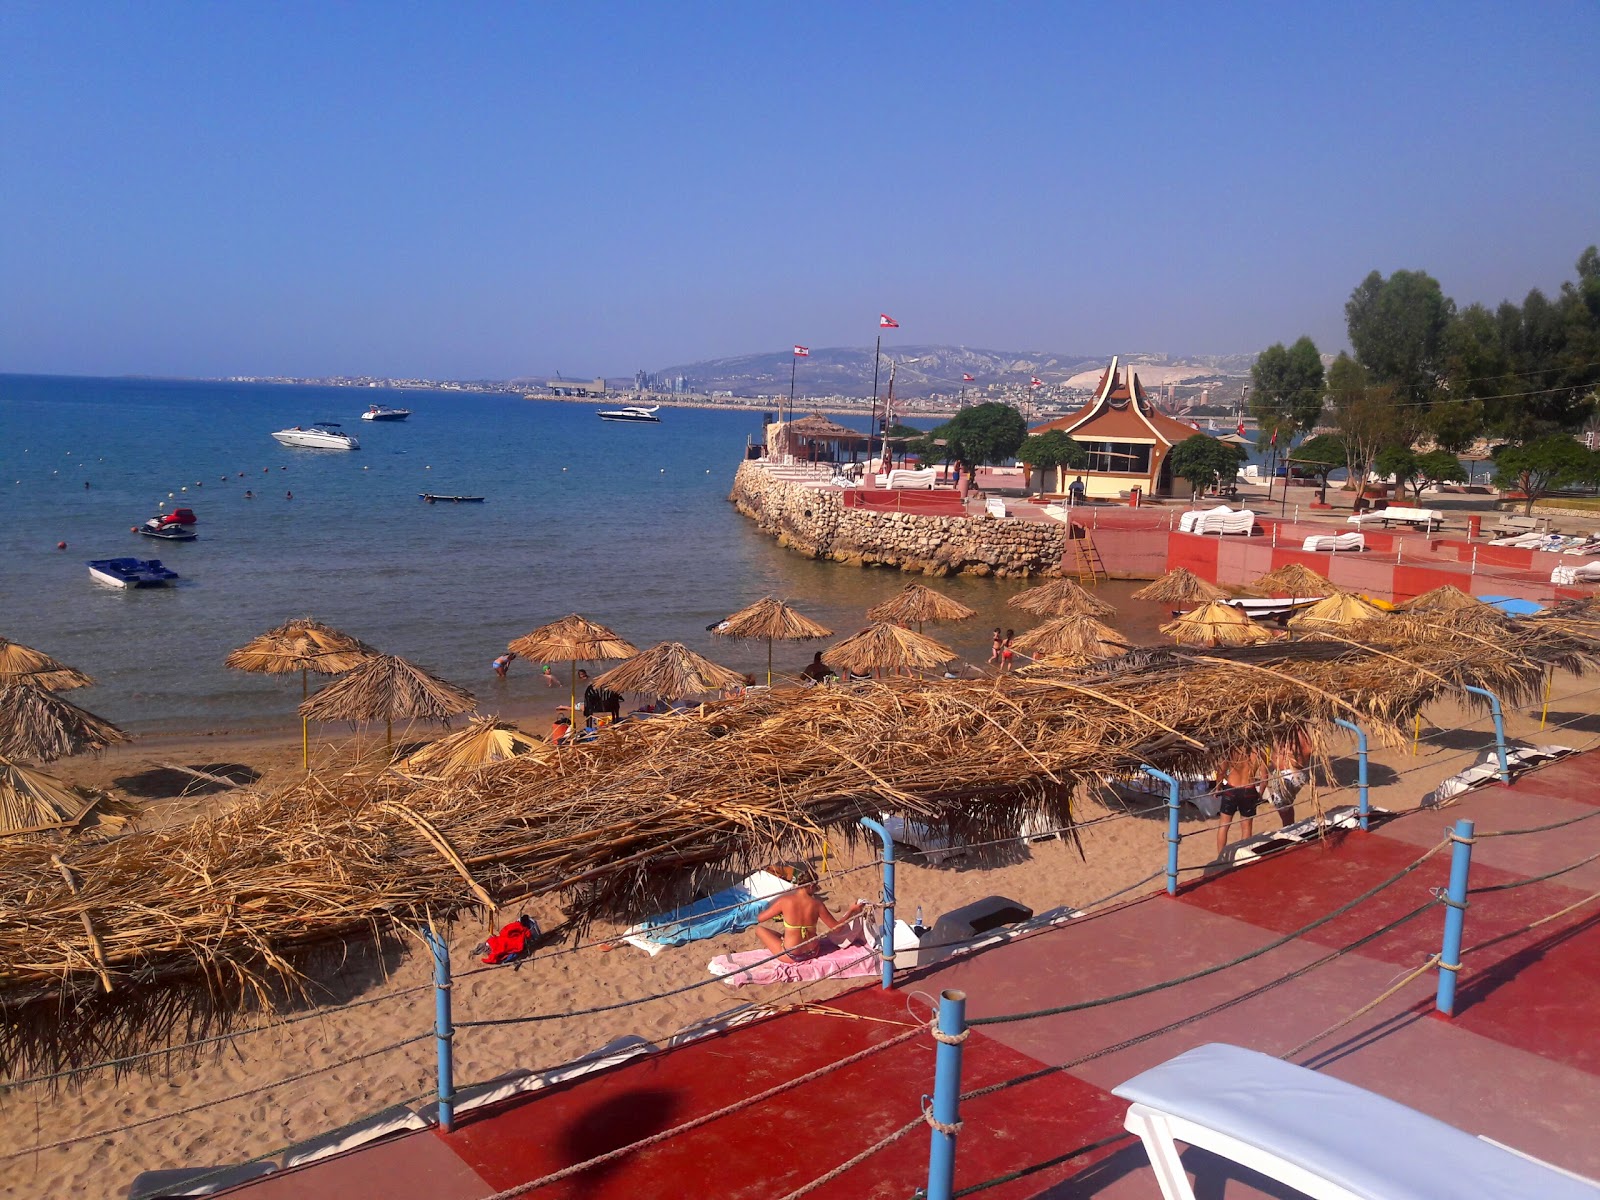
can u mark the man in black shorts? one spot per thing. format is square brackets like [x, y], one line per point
[1240, 796]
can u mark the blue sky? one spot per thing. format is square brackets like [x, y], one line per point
[474, 191]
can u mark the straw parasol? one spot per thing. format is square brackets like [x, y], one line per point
[1180, 586]
[484, 741]
[388, 686]
[1076, 638]
[1337, 611]
[884, 645]
[774, 620]
[572, 640]
[1292, 579]
[1216, 624]
[917, 603]
[39, 725]
[33, 802]
[1060, 598]
[23, 664]
[1446, 599]
[302, 645]
[671, 671]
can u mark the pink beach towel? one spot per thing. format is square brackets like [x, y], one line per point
[845, 962]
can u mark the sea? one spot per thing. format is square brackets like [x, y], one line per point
[629, 525]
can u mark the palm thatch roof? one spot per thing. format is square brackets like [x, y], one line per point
[484, 741]
[1216, 624]
[41, 726]
[1446, 598]
[1060, 598]
[302, 644]
[1292, 579]
[1180, 586]
[1338, 611]
[772, 619]
[23, 664]
[818, 428]
[918, 603]
[572, 639]
[882, 646]
[32, 802]
[388, 688]
[1074, 638]
[671, 671]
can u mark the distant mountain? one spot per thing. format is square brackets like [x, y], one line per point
[921, 370]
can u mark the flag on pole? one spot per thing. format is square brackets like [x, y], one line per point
[802, 351]
[1035, 382]
[885, 321]
[968, 379]
[1274, 440]
[1241, 427]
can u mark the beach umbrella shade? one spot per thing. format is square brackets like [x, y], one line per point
[23, 664]
[1338, 611]
[41, 726]
[484, 741]
[671, 671]
[1060, 598]
[302, 645]
[1215, 624]
[1180, 586]
[883, 645]
[388, 687]
[774, 620]
[1072, 639]
[1446, 599]
[1292, 580]
[917, 603]
[572, 640]
[33, 802]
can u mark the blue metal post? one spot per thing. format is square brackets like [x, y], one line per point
[1455, 915]
[887, 932]
[946, 1094]
[1173, 837]
[1499, 730]
[1363, 801]
[443, 1030]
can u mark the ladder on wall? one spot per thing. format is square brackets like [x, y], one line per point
[1091, 570]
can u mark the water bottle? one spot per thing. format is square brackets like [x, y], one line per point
[918, 928]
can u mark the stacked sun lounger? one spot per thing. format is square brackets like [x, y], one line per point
[1589, 572]
[1221, 519]
[1429, 518]
[902, 477]
[1335, 542]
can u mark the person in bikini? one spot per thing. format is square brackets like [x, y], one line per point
[1239, 795]
[804, 915]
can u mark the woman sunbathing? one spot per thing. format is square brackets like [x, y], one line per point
[804, 915]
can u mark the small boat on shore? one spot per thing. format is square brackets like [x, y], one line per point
[378, 412]
[131, 572]
[324, 435]
[175, 526]
[634, 412]
[1274, 607]
[434, 498]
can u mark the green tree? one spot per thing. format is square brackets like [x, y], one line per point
[1204, 460]
[1287, 389]
[1321, 456]
[985, 433]
[1436, 467]
[1052, 449]
[1399, 461]
[1540, 467]
[1365, 416]
[1397, 330]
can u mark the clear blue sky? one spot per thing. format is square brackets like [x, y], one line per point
[491, 190]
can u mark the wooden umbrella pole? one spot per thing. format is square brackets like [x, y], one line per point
[305, 733]
[769, 664]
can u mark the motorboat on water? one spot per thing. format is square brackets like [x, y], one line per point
[175, 526]
[324, 435]
[633, 412]
[131, 572]
[435, 498]
[378, 412]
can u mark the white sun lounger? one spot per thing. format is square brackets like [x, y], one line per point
[1566, 576]
[1426, 517]
[1217, 520]
[904, 477]
[1336, 542]
[995, 508]
[1320, 1135]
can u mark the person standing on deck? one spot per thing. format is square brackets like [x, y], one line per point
[1239, 795]
[1291, 771]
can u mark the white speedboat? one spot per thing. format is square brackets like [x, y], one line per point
[632, 412]
[378, 412]
[324, 435]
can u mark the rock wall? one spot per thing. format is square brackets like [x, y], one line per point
[815, 522]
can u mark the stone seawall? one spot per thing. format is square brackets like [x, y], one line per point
[815, 522]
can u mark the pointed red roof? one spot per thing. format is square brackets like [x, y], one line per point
[1121, 409]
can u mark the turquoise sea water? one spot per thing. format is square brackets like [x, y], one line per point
[627, 524]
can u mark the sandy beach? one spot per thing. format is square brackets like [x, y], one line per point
[278, 1083]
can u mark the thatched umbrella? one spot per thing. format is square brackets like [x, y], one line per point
[884, 645]
[1180, 586]
[1292, 579]
[388, 686]
[1060, 598]
[23, 664]
[33, 802]
[1445, 599]
[572, 640]
[1073, 639]
[774, 620]
[917, 603]
[39, 725]
[484, 741]
[671, 671]
[1338, 611]
[302, 645]
[1216, 624]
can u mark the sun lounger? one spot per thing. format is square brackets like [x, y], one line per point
[995, 508]
[854, 959]
[1589, 572]
[1430, 518]
[902, 477]
[1217, 520]
[1326, 1138]
[1335, 542]
[727, 911]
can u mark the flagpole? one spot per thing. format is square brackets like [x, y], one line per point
[873, 428]
[794, 361]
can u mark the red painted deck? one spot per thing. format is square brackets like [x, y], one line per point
[1520, 1061]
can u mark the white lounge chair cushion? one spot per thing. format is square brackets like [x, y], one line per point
[1589, 572]
[904, 477]
[1336, 542]
[1218, 520]
[1409, 516]
[1363, 1144]
[995, 508]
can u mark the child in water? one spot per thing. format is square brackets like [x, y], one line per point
[549, 679]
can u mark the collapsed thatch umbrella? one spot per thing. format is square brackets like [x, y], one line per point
[39, 725]
[917, 603]
[302, 645]
[1076, 638]
[388, 686]
[33, 802]
[1180, 586]
[1215, 624]
[23, 664]
[884, 645]
[1060, 598]
[1338, 611]
[572, 640]
[1292, 579]
[774, 620]
[670, 671]
[484, 741]
[1445, 599]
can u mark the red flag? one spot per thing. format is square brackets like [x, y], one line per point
[802, 351]
[885, 321]
[1241, 428]
[968, 379]
[1274, 440]
[1035, 383]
